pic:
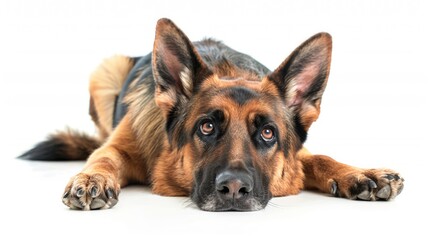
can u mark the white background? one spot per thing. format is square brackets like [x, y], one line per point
[374, 112]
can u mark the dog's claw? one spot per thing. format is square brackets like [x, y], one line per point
[389, 177]
[94, 191]
[372, 184]
[79, 192]
[334, 188]
[109, 193]
[66, 194]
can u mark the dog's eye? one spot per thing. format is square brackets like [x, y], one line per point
[207, 128]
[267, 134]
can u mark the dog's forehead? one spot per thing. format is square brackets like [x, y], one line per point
[245, 80]
[239, 89]
[238, 96]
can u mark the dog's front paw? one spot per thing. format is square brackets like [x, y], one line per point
[90, 192]
[370, 184]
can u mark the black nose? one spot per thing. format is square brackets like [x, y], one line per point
[233, 184]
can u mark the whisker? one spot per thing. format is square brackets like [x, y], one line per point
[188, 203]
[275, 205]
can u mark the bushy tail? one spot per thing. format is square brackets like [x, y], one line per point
[65, 145]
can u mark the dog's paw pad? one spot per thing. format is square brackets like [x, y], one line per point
[368, 187]
[384, 193]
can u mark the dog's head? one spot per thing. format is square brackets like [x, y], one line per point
[240, 131]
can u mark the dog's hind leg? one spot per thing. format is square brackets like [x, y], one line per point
[105, 85]
[329, 176]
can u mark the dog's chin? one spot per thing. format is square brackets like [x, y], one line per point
[214, 204]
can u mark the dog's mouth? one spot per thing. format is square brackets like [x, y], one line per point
[215, 204]
[231, 191]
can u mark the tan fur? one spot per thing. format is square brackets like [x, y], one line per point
[177, 167]
[105, 85]
[123, 154]
[143, 114]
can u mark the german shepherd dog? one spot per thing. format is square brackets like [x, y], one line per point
[200, 119]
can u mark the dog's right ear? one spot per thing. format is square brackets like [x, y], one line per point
[178, 69]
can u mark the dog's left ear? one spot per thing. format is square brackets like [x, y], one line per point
[178, 69]
[302, 78]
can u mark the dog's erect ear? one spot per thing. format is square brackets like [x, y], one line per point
[177, 67]
[302, 78]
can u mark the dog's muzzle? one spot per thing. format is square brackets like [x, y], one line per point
[231, 190]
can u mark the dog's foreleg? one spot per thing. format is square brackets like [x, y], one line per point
[108, 169]
[329, 176]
